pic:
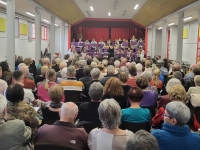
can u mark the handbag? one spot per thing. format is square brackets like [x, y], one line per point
[195, 100]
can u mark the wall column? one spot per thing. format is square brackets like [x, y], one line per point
[37, 34]
[62, 40]
[180, 37]
[10, 33]
[52, 36]
[153, 46]
[164, 39]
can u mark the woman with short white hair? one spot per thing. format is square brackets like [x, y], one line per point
[196, 89]
[110, 136]
[139, 69]
[175, 134]
[63, 75]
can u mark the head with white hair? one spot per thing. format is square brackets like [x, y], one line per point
[172, 82]
[110, 70]
[64, 72]
[25, 70]
[3, 106]
[68, 112]
[117, 63]
[62, 65]
[82, 63]
[109, 113]
[123, 69]
[139, 66]
[21, 64]
[95, 73]
[105, 62]
[93, 65]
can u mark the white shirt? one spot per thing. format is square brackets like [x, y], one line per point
[28, 96]
[73, 55]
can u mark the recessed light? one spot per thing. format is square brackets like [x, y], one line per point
[2, 2]
[56, 24]
[136, 6]
[31, 14]
[109, 14]
[170, 24]
[187, 18]
[45, 20]
[159, 28]
[91, 8]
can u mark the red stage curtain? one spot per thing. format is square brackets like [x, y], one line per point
[96, 33]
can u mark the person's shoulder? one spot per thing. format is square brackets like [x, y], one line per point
[15, 124]
[129, 133]
[94, 131]
[157, 133]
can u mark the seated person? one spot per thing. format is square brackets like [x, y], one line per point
[150, 97]
[156, 81]
[43, 88]
[176, 93]
[86, 78]
[62, 132]
[110, 136]
[123, 77]
[63, 76]
[88, 111]
[142, 140]
[141, 115]
[39, 79]
[175, 134]
[113, 89]
[14, 133]
[133, 73]
[56, 93]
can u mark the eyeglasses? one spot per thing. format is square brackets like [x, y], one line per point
[166, 115]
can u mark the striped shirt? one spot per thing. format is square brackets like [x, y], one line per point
[72, 84]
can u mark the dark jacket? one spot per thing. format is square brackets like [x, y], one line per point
[105, 79]
[85, 79]
[79, 74]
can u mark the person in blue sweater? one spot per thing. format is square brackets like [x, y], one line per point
[175, 134]
[135, 113]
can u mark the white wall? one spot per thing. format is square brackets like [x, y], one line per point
[149, 47]
[189, 44]
[158, 42]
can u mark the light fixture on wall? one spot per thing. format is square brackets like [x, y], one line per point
[159, 28]
[2, 2]
[109, 14]
[56, 25]
[170, 24]
[31, 14]
[91, 8]
[45, 20]
[136, 6]
[188, 18]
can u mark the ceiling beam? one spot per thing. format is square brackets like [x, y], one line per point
[124, 13]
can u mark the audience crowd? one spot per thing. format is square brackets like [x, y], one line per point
[97, 103]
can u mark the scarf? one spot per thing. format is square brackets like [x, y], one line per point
[55, 105]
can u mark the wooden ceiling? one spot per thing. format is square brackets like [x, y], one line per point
[155, 10]
[65, 9]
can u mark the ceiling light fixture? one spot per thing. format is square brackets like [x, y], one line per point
[159, 28]
[56, 25]
[109, 14]
[170, 24]
[124, 13]
[45, 20]
[188, 18]
[91, 8]
[136, 6]
[31, 14]
[2, 2]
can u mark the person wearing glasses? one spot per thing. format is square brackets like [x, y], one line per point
[175, 134]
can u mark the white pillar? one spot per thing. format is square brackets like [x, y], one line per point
[164, 39]
[199, 17]
[180, 37]
[10, 32]
[62, 40]
[153, 46]
[52, 36]
[37, 34]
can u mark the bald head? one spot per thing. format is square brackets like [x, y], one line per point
[46, 61]
[69, 112]
[25, 70]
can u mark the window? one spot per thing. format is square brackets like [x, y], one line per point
[44, 33]
[33, 31]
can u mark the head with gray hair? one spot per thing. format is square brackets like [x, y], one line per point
[64, 72]
[96, 91]
[142, 140]
[172, 82]
[123, 69]
[117, 63]
[109, 113]
[110, 70]
[148, 75]
[93, 65]
[197, 80]
[21, 64]
[82, 63]
[177, 75]
[177, 113]
[3, 105]
[95, 73]
[71, 71]
[86, 70]
[105, 62]
[139, 66]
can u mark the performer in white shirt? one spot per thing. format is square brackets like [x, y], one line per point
[83, 52]
[87, 42]
[70, 50]
[73, 53]
[94, 42]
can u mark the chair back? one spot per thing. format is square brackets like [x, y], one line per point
[88, 126]
[50, 146]
[152, 110]
[134, 127]
[197, 113]
[72, 96]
